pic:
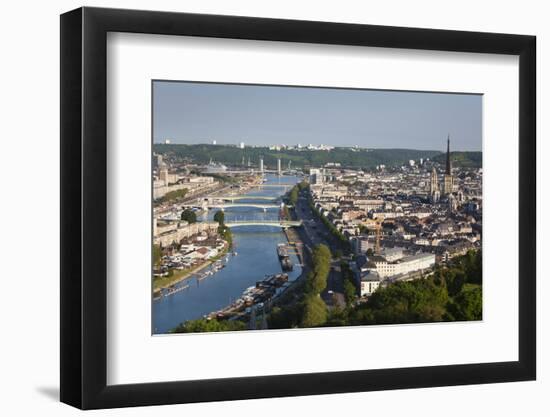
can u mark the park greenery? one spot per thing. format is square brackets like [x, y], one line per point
[189, 216]
[346, 157]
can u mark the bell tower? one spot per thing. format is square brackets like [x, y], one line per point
[448, 178]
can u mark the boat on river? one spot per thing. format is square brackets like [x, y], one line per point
[284, 258]
[287, 264]
[282, 250]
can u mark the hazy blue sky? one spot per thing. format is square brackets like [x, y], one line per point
[187, 112]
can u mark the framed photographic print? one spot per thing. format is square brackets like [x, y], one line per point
[257, 208]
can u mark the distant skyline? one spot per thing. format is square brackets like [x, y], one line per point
[189, 112]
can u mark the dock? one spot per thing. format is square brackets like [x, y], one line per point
[253, 297]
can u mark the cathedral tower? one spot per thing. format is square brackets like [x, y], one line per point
[448, 178]
[434, 186]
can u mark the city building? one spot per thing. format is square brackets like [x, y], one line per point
[157, 160]
[316, 176]
[404, 265]
[360, 244]
[370, 281]
[215, 168]
[176, 231]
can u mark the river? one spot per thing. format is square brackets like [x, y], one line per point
[256, 257]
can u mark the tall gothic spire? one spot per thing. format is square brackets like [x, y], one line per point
[448, 165]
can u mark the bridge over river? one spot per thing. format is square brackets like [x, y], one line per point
[224, 206]
[243, 197]
[278, 223]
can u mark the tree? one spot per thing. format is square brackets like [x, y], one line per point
[317, 278]
[409, 302]
[225, 234]
[293, 195]
[302, 185]
[370, 252]
[285, 317]
[189, 216]
[468, 304]
[337, 317]
[205, 325]
[219, 217]
[315, 312]
[349, 291]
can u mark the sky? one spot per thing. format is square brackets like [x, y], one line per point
[190, 112]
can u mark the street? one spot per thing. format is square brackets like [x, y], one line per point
[316, 233]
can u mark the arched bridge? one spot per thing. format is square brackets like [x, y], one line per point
[286, 186]
[277, 223]
[244, 197]
[224, 206]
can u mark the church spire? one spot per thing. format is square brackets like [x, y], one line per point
[448, 164]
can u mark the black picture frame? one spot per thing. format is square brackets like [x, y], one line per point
[84, 207]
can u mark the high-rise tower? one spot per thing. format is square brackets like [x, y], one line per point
[448, 178]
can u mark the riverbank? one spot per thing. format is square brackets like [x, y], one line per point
[257, 258]
[288, 293]
[160, 283]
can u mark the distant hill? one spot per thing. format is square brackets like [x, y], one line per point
[347, 157]
[462, 159]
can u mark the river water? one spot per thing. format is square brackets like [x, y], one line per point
[256, 248]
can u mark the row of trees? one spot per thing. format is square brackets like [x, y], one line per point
[212, 325]
[309, 310]
[292, 195]
[344, 241]
[173, 195]
[350, 287]
[315, 311]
